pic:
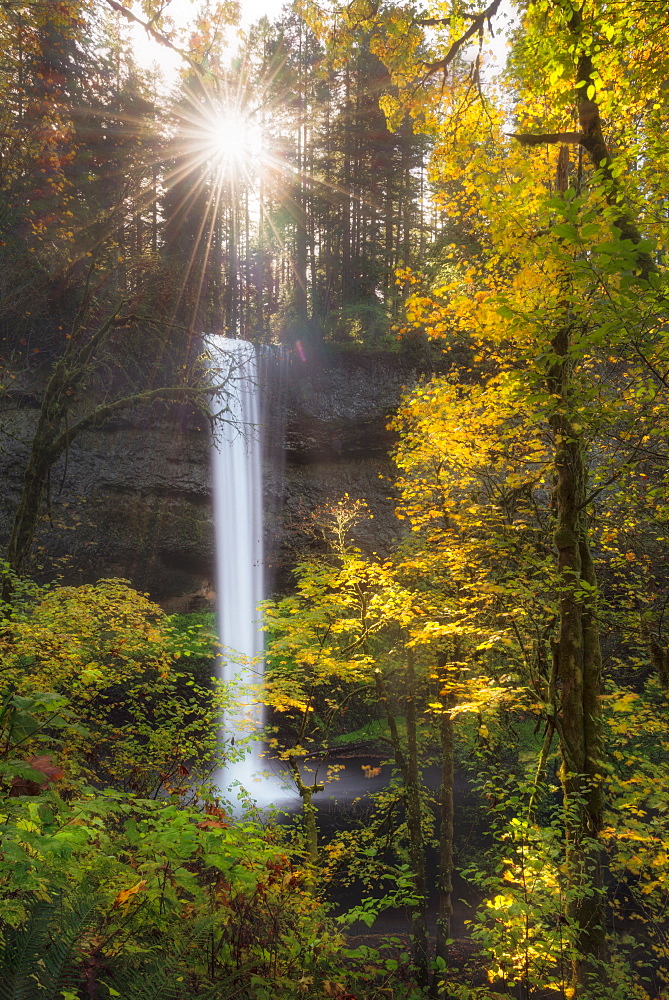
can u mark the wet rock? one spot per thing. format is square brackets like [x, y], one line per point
[133, 499]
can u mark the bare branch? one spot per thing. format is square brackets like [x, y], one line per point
[476, 27]
[157, 35]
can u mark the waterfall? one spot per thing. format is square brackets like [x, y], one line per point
[237, 462]
[238, 520]
[248, 428]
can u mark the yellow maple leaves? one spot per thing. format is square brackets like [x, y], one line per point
[87, 635]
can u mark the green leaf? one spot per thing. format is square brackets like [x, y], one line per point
[566, 232]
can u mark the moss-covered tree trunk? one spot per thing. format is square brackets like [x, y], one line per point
[579, 721]
[309, 823]
[407, 761]
[45, 449]
[445, 876]
[415, 827]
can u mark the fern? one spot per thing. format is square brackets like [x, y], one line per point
[58, 957]
[37, 958]
[163, 983]
[22, 954]
[38, 961]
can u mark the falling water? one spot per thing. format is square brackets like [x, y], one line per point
[237, 482]
[240, 442]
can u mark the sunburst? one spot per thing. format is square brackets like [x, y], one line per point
[224, 134]
[231, 158]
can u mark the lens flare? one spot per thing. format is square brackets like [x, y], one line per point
[229, 139]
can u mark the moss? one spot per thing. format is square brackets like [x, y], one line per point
[374, 730]
[564, 538]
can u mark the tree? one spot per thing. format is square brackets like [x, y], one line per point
[67, 409]
[392, 634]
[473, 481]
[548, 295]
[112, 657]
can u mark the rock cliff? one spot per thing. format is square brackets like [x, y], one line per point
[133, 499]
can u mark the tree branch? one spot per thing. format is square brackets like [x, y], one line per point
[477, 26]
[528, 139]
[87, 349]
[173, 394]
[595, 145]
[157, 35]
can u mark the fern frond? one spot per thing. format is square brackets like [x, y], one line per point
[21, 959]
[37, 957]
[59, 953]
[162, 983]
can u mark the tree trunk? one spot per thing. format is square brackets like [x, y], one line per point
[445, 876]
[259, 271]
[25, 520]
[233, 270]
[415, 827]
[579, 672]
[408, 765]
[345, 293]
[43, 455]
[307, 793]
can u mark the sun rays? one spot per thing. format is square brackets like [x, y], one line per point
[225, 191]
[237, 160]
[224, 136]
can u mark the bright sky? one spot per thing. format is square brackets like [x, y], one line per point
[148, 51]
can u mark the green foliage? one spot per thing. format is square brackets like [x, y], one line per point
[105, 880]
[165, 877]
[363, 325]
[520, 926]
[99, 882]
[116, 658]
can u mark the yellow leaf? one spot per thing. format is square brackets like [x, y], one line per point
[126, 894]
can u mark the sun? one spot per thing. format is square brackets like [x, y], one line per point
[225, 137]
[235, 141]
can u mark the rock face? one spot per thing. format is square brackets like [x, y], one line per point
[337, 443]
[133, 499]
